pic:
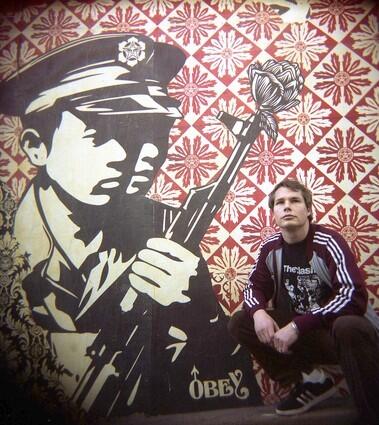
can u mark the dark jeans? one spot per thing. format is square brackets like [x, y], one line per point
[353, 343]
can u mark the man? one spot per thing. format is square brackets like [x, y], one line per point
[115, 294]
[320, 315]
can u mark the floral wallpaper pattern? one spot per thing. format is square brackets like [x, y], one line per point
[329, 141]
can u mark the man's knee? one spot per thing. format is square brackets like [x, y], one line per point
[351, 329]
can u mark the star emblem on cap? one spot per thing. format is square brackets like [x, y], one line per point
[131, 51]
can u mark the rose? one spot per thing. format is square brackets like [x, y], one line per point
[275, 85]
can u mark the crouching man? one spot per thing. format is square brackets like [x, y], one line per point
[320, 315]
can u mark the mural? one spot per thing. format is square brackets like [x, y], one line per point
[108, 279]
[139, 140]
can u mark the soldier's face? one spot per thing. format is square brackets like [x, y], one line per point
[95, 161]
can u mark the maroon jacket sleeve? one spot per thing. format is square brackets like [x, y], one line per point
[348, 287]
[260, 286]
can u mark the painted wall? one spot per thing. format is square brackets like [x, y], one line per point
[96, 161]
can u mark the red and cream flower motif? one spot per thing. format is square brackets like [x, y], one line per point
[192, 23]
[302, 46]
[26, 13]
[92, 9]
[345, 155]
[124, 20]
[10, 133]
[55, 29]
[367, 39]
[237, 199]
[210, 239]
[223, 5]
[335, 13]
[229, 272]
[4, 29]
[369, 114]
[370, 193]
[193, 89]
[192, 162]
[157, 7]
[268, 159]
[259, 21]
[14, 56]
[354, 226]
[322, 194]
[162, 191]
[306, 121]
[261, 226]
[227, 54]
[342, 78]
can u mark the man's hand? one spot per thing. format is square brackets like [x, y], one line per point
[284, 338]
[162, 270]
[265, 327]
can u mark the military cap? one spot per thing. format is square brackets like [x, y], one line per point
[108, 74]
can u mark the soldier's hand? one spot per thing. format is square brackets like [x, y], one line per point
[163, 270]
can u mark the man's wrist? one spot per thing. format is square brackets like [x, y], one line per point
[259, 311]
[294, 327]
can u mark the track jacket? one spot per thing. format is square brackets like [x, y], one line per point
[331, 259]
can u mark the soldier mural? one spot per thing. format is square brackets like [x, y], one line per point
[115, 278]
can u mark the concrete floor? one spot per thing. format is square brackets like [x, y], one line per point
[16, 408]
[331, 412]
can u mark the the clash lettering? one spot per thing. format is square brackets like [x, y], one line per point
[298, 270]
[223, 387]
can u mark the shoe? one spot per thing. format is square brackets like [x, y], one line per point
[304, 396]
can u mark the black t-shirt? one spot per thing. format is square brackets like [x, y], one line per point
[305, 289]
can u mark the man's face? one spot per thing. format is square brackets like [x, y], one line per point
[112, 155]
[290, 211]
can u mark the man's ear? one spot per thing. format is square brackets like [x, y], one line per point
[34, 147]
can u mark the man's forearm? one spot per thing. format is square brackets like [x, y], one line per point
[253, 300]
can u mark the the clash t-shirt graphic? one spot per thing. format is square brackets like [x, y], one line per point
[305, 289]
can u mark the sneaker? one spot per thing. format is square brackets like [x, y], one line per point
[304, 396]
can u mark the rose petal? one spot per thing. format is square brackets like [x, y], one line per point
[275, 85]
[287, 106]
